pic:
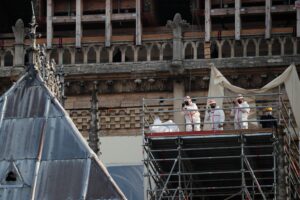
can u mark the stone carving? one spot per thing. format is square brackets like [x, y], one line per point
[19, 31]
[94, 129]
[38, 63]
[177, 25]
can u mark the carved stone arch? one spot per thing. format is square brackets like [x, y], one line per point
[104, 55]
[288, 46]
[238, 49]
[200, 50]
[54, 54]
[226, 49]
[67, 56]
[91, 54]
[116, 53]
[8, 58]
[129, 53]
[188, 50]
[155, 51]
[263, 47]
[167, 51]
[142, 53]
[251, 48]
[276, 46]
[78, 56]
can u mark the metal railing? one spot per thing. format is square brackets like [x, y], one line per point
[169, 170]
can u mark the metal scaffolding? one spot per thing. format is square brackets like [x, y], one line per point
[231, 164]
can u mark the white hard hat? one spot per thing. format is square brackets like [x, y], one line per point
[211, 101]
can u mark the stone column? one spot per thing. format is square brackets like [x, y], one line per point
[19, 33]
[177, 67]
[178, 93]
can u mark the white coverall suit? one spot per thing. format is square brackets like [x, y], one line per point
[216, 117]
[241, 113]
[192, 117]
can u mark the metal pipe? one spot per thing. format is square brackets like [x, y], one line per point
[214, 172]
[242, 167]
[254, 178]
[164, 188]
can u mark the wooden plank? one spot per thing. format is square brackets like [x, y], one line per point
[268, 23]
[63, 19]
[49, 23]
[253, 10]
[78, 23]
[237, 18]
[123, 17]
[207, 20]
[108, 28]
[114, 17]
[138, 22]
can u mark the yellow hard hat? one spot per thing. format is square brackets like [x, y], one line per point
[268, 109]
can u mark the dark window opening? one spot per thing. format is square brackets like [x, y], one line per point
[172, 7]
[10, 13]
[11, 177]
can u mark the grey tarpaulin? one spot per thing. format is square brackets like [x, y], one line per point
[42, 148]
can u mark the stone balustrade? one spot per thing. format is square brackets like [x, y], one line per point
[149, 51]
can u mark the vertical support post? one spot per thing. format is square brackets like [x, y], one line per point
[207, 20]
[268, 22]
[297, 5]
[49, 23]
[62, 85]
[274, 164]
[138, 22]
[179, 170]
[237, 18]
[243, 167]
[178, 94]
[78, 23]
[108, 28]
[145, 154]
[93, 132]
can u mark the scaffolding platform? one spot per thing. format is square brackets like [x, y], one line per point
[210, 165]
[245, 164]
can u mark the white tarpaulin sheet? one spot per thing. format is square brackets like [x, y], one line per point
[289, 77]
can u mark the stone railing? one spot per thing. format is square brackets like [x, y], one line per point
[193, 49]
[126, 52]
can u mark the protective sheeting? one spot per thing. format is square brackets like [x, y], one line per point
[158, 126]
[130, 179]
[42, 154]
[289, 77]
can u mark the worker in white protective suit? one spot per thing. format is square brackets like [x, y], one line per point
[215, 115]
[191, 114]
[240, 112]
